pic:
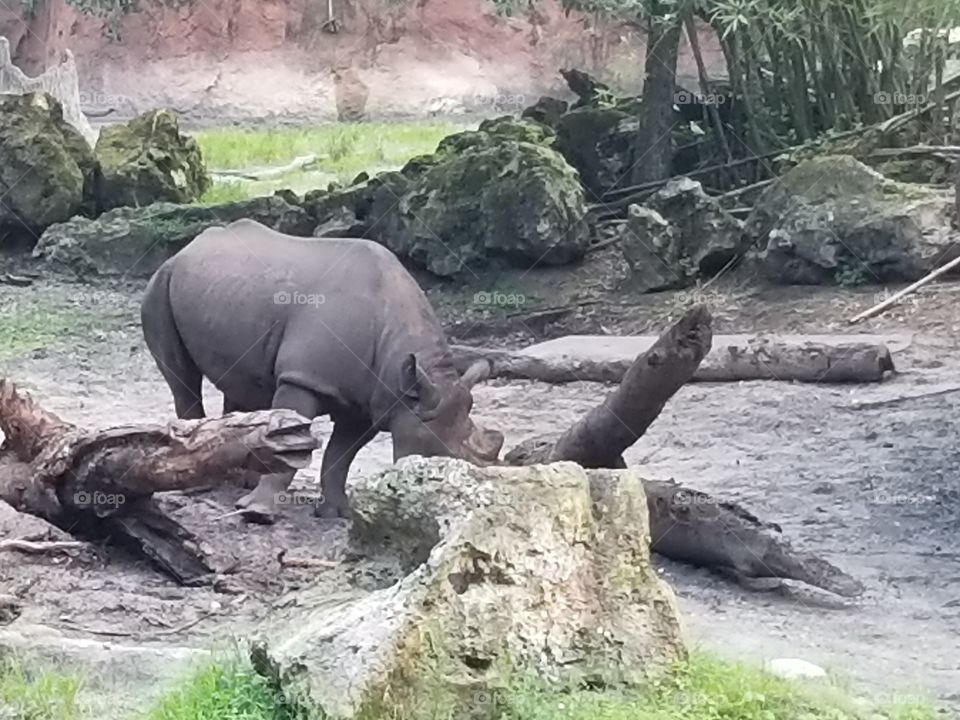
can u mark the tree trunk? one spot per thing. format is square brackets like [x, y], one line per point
[653, 153]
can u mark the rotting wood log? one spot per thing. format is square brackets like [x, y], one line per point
[685, 525]
[101, 482]
[808, 359]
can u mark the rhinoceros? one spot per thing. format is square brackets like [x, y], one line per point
[332, 327]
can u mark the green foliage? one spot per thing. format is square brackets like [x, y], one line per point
[232, 691]
[42, 695]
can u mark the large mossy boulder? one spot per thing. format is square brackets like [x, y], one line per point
[517, 201]
[148, 160]
[48, 172]
[134, 242]
[833, 220]
[496, 194]
[506, 574]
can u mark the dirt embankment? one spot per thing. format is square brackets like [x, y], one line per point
[245, 60]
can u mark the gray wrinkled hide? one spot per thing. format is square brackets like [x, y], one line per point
[545, 567]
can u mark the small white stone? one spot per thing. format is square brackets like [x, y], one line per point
[794, 669]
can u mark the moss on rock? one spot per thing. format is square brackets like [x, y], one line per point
[136, 241]
[48, 172]
[517, 200]
[148, 160]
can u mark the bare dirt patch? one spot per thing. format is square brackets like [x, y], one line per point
[864, 479]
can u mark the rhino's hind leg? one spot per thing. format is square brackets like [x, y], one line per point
[260, 505]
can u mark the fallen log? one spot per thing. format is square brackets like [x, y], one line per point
[808, 359]
[101, 482]
[685, 525]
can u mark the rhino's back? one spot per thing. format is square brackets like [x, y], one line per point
[252, 304]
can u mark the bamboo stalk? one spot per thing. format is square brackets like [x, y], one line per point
[893, 300]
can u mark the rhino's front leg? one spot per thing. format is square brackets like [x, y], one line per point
[349, 435]
[260, 506]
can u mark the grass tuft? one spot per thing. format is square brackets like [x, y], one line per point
[230, 691]
[45, 695]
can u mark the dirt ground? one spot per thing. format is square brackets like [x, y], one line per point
[872, 487]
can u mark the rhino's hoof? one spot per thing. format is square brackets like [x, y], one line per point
[259, 516]
[330, 511]
[255, 511]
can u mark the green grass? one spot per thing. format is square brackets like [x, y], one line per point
[46, 695]
[705, 688]
[28, 327]
[223, 692]
[344, 150]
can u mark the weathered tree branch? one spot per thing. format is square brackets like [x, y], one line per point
[685, 525]
[102, 481]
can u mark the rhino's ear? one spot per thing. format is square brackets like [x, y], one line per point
[416, 384]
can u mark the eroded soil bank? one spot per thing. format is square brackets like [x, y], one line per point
[869, 484]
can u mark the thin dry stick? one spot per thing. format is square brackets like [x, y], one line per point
[891, 301]
[40, 548]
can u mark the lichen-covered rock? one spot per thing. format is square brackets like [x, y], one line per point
[136, 241]
[48, 173]
[833, 220]
[495, 129]
[541, 570]
[598, 142]
[148, 160]
[516, 201]
[500, 193]
[682, 234]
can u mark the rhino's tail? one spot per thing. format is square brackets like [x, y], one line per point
[166, 345]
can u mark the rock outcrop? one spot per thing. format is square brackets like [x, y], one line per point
[833, 220]
[147, 160]
[48, 172]
[510, 572]
[678, 236]
[497, 194]
[135, 241]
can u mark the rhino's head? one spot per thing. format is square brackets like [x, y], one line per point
[435, 417]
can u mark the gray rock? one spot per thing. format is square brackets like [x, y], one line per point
[543, 570]
[48, 172]
[680, 235]
[136, 241]
[499, 194]
[147, 160]
[833, 220]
